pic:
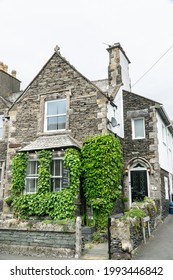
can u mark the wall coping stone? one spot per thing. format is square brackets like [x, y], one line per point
[36, 226]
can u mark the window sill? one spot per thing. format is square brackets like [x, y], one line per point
[57, 132]
[140, 138]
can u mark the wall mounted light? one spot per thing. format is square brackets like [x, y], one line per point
[126, 171]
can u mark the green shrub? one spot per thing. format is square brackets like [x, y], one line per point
[102, 166]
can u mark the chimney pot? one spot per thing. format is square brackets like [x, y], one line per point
[13, 73]
[1, 65]
[5, 68]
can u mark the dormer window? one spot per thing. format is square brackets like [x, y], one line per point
[55, 115]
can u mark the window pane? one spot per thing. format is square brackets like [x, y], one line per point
[33, 185]
[32, 168]
[56, 184]
[62, 107]
[57, 168]
[54, 123]
[27, 187]
[52, 108]
[31, 176]
[56, 107]
[61, 122]
[30, 185]
[139, 128]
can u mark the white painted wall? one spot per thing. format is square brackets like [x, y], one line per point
[165, 146]
[117, 114]
[125, 72]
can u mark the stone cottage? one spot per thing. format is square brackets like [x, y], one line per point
[58, 109]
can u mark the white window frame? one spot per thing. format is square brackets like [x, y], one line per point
[133, 128]
[57, 115]
[30, 176]
[166, 188]
[60, 176]
[1, 126]
[1, 163]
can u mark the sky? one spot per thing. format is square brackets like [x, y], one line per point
[30, 29]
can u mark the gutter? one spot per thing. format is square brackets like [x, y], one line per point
[164, 116]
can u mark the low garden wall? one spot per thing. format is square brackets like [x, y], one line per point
[40, 239]
[127, 232]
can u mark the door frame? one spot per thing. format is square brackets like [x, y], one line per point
[134, 168]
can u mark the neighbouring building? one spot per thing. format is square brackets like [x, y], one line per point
[147, 136]
[9, 91]
[60, 107]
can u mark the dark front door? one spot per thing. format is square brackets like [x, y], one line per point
[139, 184]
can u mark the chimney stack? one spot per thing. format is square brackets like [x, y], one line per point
[118, 69]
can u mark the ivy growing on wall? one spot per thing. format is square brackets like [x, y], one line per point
[72, 160]
[45, 158]
[100, 162]
[56, 205]
[19, 164]
[102, 165]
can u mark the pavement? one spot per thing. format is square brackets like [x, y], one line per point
[96, 252]
[160, 244]
[158, 247]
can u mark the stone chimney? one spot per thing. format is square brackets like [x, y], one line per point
[1, 65]
[5, 68]
[118, 69]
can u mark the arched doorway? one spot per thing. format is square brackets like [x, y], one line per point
[138, 181]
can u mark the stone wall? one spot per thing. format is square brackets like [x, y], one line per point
[146, 149]
[137, 106]
[126, 234]
[40, 239]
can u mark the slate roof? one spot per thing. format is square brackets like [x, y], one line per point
[50, 142]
